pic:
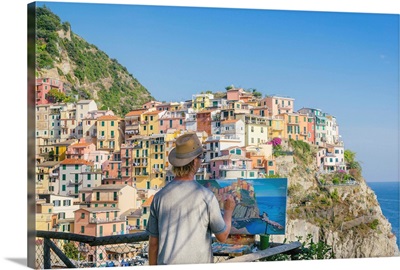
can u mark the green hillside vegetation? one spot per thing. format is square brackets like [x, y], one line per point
[92, 74]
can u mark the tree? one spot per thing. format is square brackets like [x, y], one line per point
[350, 159]
[71, 251]
[56, 96]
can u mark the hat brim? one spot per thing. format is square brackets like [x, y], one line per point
[179, 162]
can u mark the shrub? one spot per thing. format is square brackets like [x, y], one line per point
[374, 224]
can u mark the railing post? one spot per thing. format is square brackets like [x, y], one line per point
[46, 254]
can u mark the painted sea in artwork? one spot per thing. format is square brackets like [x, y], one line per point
[260, 203]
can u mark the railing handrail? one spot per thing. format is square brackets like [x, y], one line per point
[93, 240]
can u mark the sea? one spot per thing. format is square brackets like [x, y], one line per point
[388, 197]
[275, 207]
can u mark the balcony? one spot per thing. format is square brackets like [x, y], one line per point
[105, 220]
[232, 167]
[101, 138]
[138, 164]
[72, 183]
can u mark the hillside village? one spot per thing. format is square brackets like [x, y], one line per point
[97, 172]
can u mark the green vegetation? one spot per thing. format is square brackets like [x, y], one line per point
[302, 151]
[374, 224]
[92, 69]
[352, 165]
[71, 251]
[57, 96]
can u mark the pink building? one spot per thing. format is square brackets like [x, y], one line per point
[232, 164]
[151, 104]
[80, 150]
[278, 105]
[43, 86]
[238, 94]
[171, 120]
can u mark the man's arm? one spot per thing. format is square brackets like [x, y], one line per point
[153, 250]
[229, 206]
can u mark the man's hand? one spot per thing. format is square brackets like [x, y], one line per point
[229, 204]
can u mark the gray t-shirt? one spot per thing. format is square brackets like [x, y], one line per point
[183, 215]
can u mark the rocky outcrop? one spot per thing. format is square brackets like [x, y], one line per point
[347, 217]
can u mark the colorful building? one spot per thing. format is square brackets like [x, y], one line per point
[109, 134]
[278, 105]
[76, 174]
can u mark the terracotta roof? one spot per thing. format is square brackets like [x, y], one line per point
[148, 201]
[152, 112]
[135, 112]
[108, 117]
[81, 144]
[229, 121]
[72, 161]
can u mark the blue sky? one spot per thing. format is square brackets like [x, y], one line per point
[346, 64]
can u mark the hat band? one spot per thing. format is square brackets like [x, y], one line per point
[198, 151]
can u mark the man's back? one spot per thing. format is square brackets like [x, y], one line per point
[186, 214]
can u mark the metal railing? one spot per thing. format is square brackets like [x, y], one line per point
[70, 250]
[60, 250]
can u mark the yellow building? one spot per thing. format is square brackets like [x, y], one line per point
[109, 136]
[46, 220]
[46, 175]
[150, 123]
[202, 101]
[148, 162]
[276, 127]
[60, 149]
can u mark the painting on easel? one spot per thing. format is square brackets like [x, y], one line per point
[260, 203]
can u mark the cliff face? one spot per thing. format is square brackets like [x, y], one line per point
[348, 216]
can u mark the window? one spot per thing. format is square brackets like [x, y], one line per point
[56, 202]
[98, 196]
[112, 123]
[82, 229]
[144, 210]
[63, 188]
[64, 167]
[114, 228]
[102, 123]
[76, 167]
[82, 215]
[251, 174]
[66, 202]
[64, 177]
[89, 176]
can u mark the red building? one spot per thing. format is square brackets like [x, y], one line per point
[43, 86]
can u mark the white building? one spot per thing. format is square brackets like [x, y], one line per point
[76, 174]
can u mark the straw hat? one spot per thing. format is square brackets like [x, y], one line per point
[188, 147]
